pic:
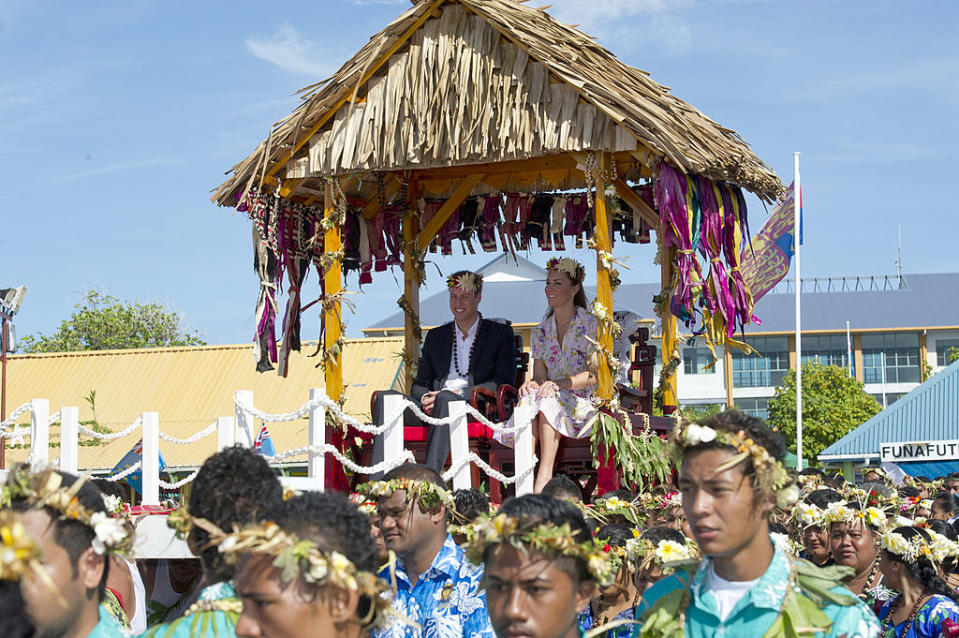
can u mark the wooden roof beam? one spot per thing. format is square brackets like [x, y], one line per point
[463, 190]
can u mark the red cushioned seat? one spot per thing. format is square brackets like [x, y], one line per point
[474, 430]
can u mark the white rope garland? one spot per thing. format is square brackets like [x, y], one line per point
[125, 473]
[472, 457]
[179, 484]
[205, 432]
[137, 422]
[384, 466]
[10, 420]
[54, 418]
[16, 435]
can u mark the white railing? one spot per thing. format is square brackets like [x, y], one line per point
[241, 429]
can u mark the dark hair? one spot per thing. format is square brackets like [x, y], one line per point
[921, 568]
[952, 475]
[561, 486]
[621, 494]
[539, 508]
[948, 501]
[478, 278]
[334, 524]
[923, 479]
[880, 489]
[909, 491]
[233, 487]
[14, 622]
[821, 498]
[110, 488]
[734, 421]
[659, 533]
[471, 503]
[613, 534]
[834, 479]
[943, 528]
[811, 471]
[777, 528]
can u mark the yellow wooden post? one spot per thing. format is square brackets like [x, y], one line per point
[670, 327]
[333, 368]
[411, 287]
[604, 289]
[728, 377]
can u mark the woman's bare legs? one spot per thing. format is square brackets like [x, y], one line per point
[548, 445]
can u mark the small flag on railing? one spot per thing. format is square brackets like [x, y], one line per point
[263, 443]
[134, 479]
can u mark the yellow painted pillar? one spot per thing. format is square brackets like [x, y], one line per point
[411, 286]
[332, 282]
[728, 377]
[670, 327]
[604, 289]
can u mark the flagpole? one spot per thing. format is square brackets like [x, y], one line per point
[797, 207]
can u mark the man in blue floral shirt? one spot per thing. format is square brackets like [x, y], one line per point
[435, 586]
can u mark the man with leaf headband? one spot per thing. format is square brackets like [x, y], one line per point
[466, 353]
[731, 478]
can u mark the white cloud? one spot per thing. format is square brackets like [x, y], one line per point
[289, 51]
[109, 168]
[630, 23]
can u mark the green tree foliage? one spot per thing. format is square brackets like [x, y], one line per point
[833, 404]
[103, 322]
[952, 355]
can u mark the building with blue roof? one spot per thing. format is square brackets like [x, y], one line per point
[919, 432]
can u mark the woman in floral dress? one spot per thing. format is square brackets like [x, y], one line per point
[557, 399]
[925, 602]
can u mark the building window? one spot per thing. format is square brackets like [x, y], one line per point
[899, 351]
[765, 369]
[942, 350]
[891, 397]
[754, 406]
[695, 360]
[827, 350]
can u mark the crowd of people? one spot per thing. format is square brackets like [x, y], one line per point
[739, 545]
[736, 544]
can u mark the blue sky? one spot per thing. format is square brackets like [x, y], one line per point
[117, 118]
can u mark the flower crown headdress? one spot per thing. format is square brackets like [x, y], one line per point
[807, 515]
[467, 281]
[45, 489]
[910, 549]
[295, 556]
[571, 267]
[771, 476]
[429, 495]
[611, 506]
[665, 553]
[19, 555]
[542, 536]
[839, 512]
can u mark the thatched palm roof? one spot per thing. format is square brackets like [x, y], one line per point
[463, 82]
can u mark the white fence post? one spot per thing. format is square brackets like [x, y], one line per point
[225, 432]
[69, 441]
[459, 445]
[393, 435]
[150, 468]
[316, 464]
[245, 435]
[523, 454]
[40, 433]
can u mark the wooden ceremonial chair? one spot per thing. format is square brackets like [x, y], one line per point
[496, 406]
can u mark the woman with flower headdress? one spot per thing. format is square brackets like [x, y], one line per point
[854, 533]
[925, 601]
[731, 478]
[557, 398]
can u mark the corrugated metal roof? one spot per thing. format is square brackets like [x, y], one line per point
[929, 413]
[190, 388]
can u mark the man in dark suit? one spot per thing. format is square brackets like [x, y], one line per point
[458, 356]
